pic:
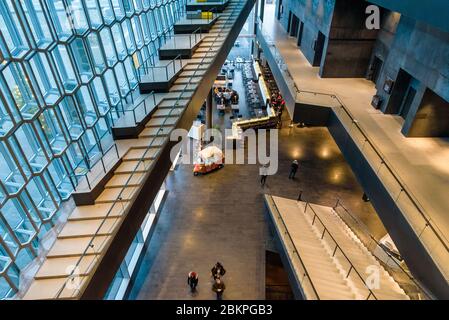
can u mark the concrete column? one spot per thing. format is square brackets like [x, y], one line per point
[209, 114]
[262, 10]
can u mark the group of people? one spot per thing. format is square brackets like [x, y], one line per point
[278, 104]
[277, 101]
[226, 96]
[264, 172]
[217, 271]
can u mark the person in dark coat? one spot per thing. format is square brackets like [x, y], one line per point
[218, 271]
[294, 168]
[263, 174]
[218, 287]
[192, 280]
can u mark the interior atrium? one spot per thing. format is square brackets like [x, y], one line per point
[224, 150]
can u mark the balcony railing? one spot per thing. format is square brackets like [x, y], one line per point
[425, 229]
[91, 254]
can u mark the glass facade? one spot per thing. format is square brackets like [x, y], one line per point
[67, 69]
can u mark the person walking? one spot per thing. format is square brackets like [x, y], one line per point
[192, 280]
[218, 271]
[294, 168]
[263, 175]
[218, 287]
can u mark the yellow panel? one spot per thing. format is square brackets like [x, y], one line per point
[206, 15]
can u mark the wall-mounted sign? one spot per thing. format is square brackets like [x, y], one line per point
[388, 85]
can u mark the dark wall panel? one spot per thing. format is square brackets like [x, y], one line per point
[432, 118]
[416, 256]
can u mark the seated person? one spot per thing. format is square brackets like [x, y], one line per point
[282, 105]
[227, 95]
[235, 98]
[218, 96]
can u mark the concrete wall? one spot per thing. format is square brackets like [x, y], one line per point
[348, 45]
[432, 117]
[316, 15]
[432, 12]
[412, 250]
[420, 50]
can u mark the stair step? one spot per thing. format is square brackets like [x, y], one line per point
[125, 179]
[95, 211]
[157, 122]
[156, 131]
[169, 104]
[116, 194]
[149, 142]
[168, 112]
[77, 246]
[135, 154]
[61, 267]
[133, 166]
[46, 289]
[84, 228]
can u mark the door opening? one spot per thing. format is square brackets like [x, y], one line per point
[319, 48]
[280, 10]
[300, 32]
[376, 67]
[295, 26]
[407, 102]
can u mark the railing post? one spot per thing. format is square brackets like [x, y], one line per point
[300, 196]
[88, 183]
[116, 150]
[337, 204]
[350, 269]
[102, 163]
[335, 250]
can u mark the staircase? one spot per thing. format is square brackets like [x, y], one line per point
[362, 259]
[335, 259]
[90, 229]
[327, 279]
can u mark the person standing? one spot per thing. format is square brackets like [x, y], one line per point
[218, 287]
[192, 280]
[263, 175]
[294, 168]
[218, 271]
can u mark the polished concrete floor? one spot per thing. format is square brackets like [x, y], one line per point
[421, 163]
[221, 217]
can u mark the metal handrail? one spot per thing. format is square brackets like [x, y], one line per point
[85, 175]
[194, 35]
[144, 103]
[141, 160]
[441, 237]
[372, 238]
[306, 273]
[145, 67]
[352, 267]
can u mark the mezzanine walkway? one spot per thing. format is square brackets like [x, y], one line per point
[91, 230]
[421, 163]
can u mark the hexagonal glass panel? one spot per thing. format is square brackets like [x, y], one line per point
[19, 86]
[38, 21]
